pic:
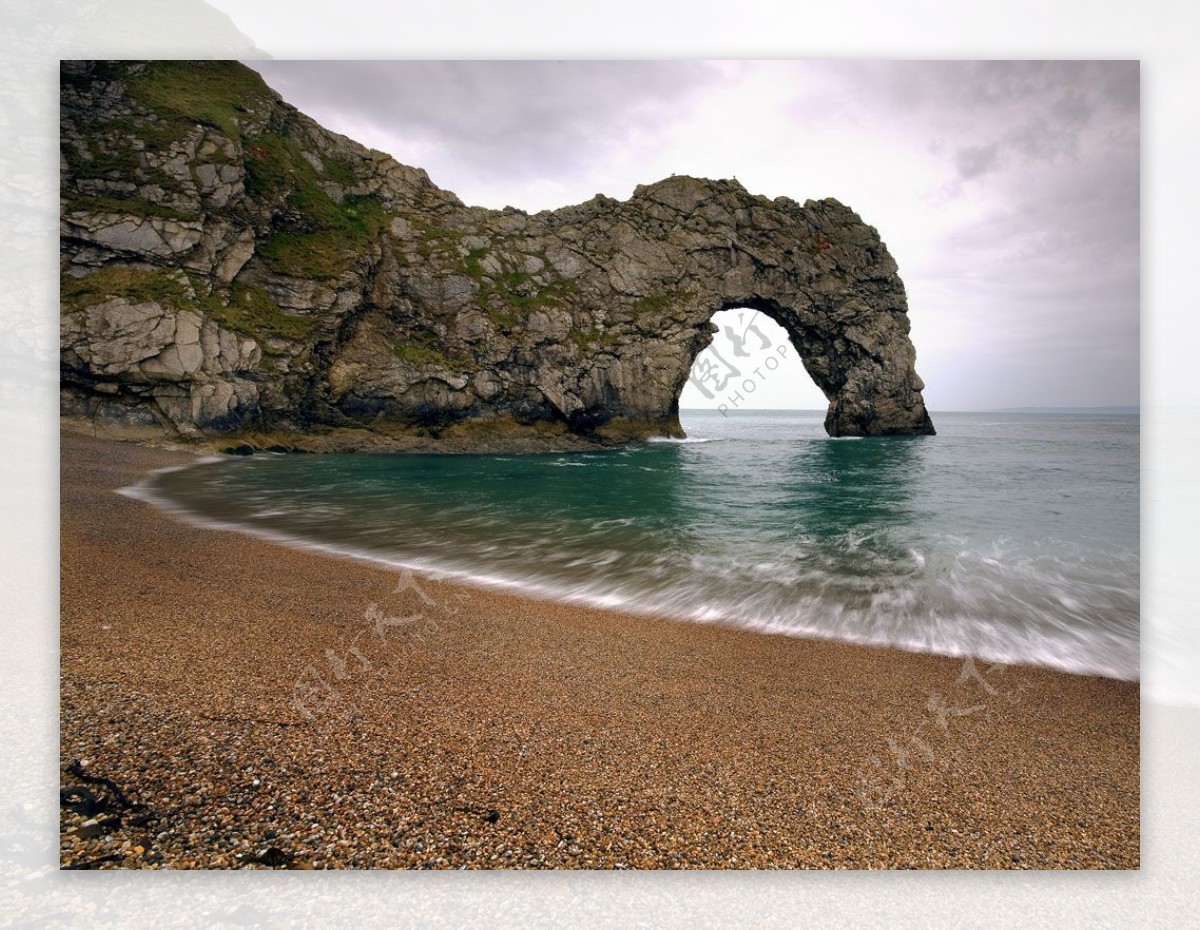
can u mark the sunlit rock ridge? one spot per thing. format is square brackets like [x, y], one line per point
[232, 272]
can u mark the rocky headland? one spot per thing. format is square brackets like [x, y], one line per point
[235, 274]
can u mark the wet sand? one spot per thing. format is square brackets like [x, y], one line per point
[269, 707]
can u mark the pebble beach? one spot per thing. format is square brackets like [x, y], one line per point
[231, 703]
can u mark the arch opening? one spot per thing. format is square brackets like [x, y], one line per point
[752, 363]
[857, 355]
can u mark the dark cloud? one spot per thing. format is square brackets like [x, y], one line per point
[974, 160]
[975, 86]
[1044, 111]
[498, 119]
[1006, 111]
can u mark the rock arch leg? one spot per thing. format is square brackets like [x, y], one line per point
[870, 394]
[865, 368]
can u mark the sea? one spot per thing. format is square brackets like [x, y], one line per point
[1010, 537]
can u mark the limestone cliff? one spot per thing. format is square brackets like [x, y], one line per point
[232, 269]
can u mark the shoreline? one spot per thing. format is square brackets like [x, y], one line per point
[478, 727]
[527, 589]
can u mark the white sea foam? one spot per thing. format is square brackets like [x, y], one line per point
[1056, 605]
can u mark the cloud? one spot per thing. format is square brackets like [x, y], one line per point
[1002, 112]
[975, 160]
[495, 121]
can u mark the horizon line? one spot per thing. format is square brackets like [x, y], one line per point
[1024, 409]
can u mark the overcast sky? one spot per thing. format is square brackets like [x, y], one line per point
[1007, 192]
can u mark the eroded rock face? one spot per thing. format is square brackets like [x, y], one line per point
[230, 267]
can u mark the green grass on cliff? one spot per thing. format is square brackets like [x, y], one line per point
[125, 206]
[273, 161]
[589, 340]
[443, 242]
[321, 237]
[249, 309]
[212, 93]
[179, 96]
[316, 256]
[412, 353]
[471, 263]
[137, 285]
[658, 305]
[276, 169]
[326, 252]
[425, 348]
[251, 312]
[508, 296]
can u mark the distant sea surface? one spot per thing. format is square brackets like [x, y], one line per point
[1012, 537]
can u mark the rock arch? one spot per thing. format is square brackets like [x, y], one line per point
[817, 270]
[255, 275]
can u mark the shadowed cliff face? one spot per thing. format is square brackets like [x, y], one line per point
[230, 268]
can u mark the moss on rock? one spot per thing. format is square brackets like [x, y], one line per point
[136, 285]
[250, 311]
[183, 94]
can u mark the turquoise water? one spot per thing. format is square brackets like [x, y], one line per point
[1011, 537]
